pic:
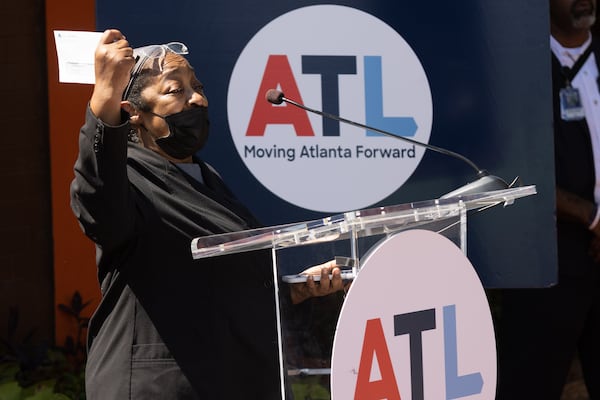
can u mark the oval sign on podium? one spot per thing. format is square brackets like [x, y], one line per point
[416, 325]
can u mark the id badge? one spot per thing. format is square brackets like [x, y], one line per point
[571, 108]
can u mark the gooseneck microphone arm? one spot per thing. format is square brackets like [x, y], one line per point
[277, 97]
[485, 181]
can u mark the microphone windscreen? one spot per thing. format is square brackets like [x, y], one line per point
[274, 96]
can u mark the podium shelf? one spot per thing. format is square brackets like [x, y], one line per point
[355, 224]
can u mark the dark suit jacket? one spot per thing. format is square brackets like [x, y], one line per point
[574, 165]
[162, 313]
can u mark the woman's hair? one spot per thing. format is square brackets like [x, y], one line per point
[140, 81]
[143, 73]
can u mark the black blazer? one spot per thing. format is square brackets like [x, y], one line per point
[165, 321]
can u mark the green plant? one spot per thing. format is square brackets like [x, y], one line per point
[74, 347]
[38, 371]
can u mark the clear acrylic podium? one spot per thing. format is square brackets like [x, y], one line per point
[306, 330]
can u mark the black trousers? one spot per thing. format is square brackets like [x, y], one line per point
[539, 333]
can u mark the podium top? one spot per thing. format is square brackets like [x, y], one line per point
[360, 223]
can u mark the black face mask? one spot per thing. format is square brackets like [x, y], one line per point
[188, 132]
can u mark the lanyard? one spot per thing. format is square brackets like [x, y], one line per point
[570, 73]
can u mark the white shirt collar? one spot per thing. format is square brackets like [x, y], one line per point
[568, 55]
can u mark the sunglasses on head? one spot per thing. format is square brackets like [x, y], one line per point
[143, 54]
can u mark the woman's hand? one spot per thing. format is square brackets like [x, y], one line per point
[113, 62]
[302, 291]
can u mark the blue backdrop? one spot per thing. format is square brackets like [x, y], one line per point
[488, 66]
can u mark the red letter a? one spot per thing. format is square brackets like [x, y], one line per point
[278, 72]
[386, 388]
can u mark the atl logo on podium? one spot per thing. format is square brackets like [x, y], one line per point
[415, 325]
[375, 352]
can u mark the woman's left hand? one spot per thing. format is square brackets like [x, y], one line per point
[330, 282]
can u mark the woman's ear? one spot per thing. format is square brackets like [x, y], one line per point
[134, 115]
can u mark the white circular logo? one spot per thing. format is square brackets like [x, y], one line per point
[343, 62]
[415, 324]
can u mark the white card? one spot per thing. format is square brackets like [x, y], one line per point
[75, 51]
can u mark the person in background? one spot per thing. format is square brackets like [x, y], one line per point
[542, 330]
[168, 326]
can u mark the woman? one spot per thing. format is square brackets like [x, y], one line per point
[168, 327]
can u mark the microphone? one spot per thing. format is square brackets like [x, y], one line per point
[484, 182]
